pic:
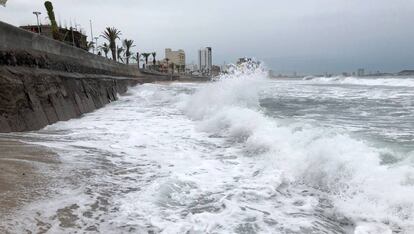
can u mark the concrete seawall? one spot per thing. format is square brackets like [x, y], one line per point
[13, 39]
[43, 81]
[31, 99]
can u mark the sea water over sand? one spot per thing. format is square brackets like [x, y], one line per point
[242, 155]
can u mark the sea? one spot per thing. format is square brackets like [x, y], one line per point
[242, 154]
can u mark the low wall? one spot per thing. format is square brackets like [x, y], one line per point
[14, 39]
[43, 81]
[30, 98]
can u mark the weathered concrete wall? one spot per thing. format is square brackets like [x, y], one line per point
[30, 98]
[14, 39]
[43, 81]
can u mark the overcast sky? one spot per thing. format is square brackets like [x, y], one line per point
[308, 36]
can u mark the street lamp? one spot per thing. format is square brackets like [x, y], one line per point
[90, 23]
[37, 17]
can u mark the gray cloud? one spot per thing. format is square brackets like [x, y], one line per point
[302, 35]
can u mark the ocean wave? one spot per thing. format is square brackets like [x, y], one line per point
[389, 81]
[347, 170]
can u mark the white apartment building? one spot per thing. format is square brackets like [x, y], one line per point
[191, 67]
[205, 61]
[176, 57]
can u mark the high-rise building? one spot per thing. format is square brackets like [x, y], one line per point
[361, 72]
[205, 61]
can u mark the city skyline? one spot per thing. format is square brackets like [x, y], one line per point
[297, 36]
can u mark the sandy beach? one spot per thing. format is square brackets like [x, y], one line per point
[23, 177]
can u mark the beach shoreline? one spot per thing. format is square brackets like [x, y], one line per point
[24, 175]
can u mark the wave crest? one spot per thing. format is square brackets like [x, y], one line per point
[388, 81]
[346, 170]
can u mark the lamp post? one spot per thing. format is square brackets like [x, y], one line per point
[37, 18]
[90, 24]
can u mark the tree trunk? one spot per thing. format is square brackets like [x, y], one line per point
[113, 50]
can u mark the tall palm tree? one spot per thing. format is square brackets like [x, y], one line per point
[111, 34]
[153, 57]
[128, 44]
[119, 51]
[90, 45]
[146, 55]
[51, 15]
[105, 48]
[136, 57]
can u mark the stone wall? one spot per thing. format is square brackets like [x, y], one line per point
[43, 81]
[14, 39]
[31, 99]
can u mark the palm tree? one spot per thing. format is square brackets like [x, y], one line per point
[90, 45]
[153, 57]
[111, 34]
[128, 44]
[119, 51]
[154, 61]
[136, 57]
[105, 48]
[51, 15]
[146, 55]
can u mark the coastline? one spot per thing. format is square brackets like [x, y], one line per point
[24, 175]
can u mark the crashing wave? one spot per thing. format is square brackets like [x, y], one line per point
[346, 170]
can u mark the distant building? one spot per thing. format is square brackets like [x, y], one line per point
[205, 60]
[175, 57]
[190, 68]
[215, 70]
[71, 37]
[243, 60]
[361, 72]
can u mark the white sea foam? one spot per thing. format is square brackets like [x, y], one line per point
[388, 81]
[205, 158]
[348, 171]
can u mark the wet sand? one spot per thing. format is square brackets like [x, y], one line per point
[24, 172]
